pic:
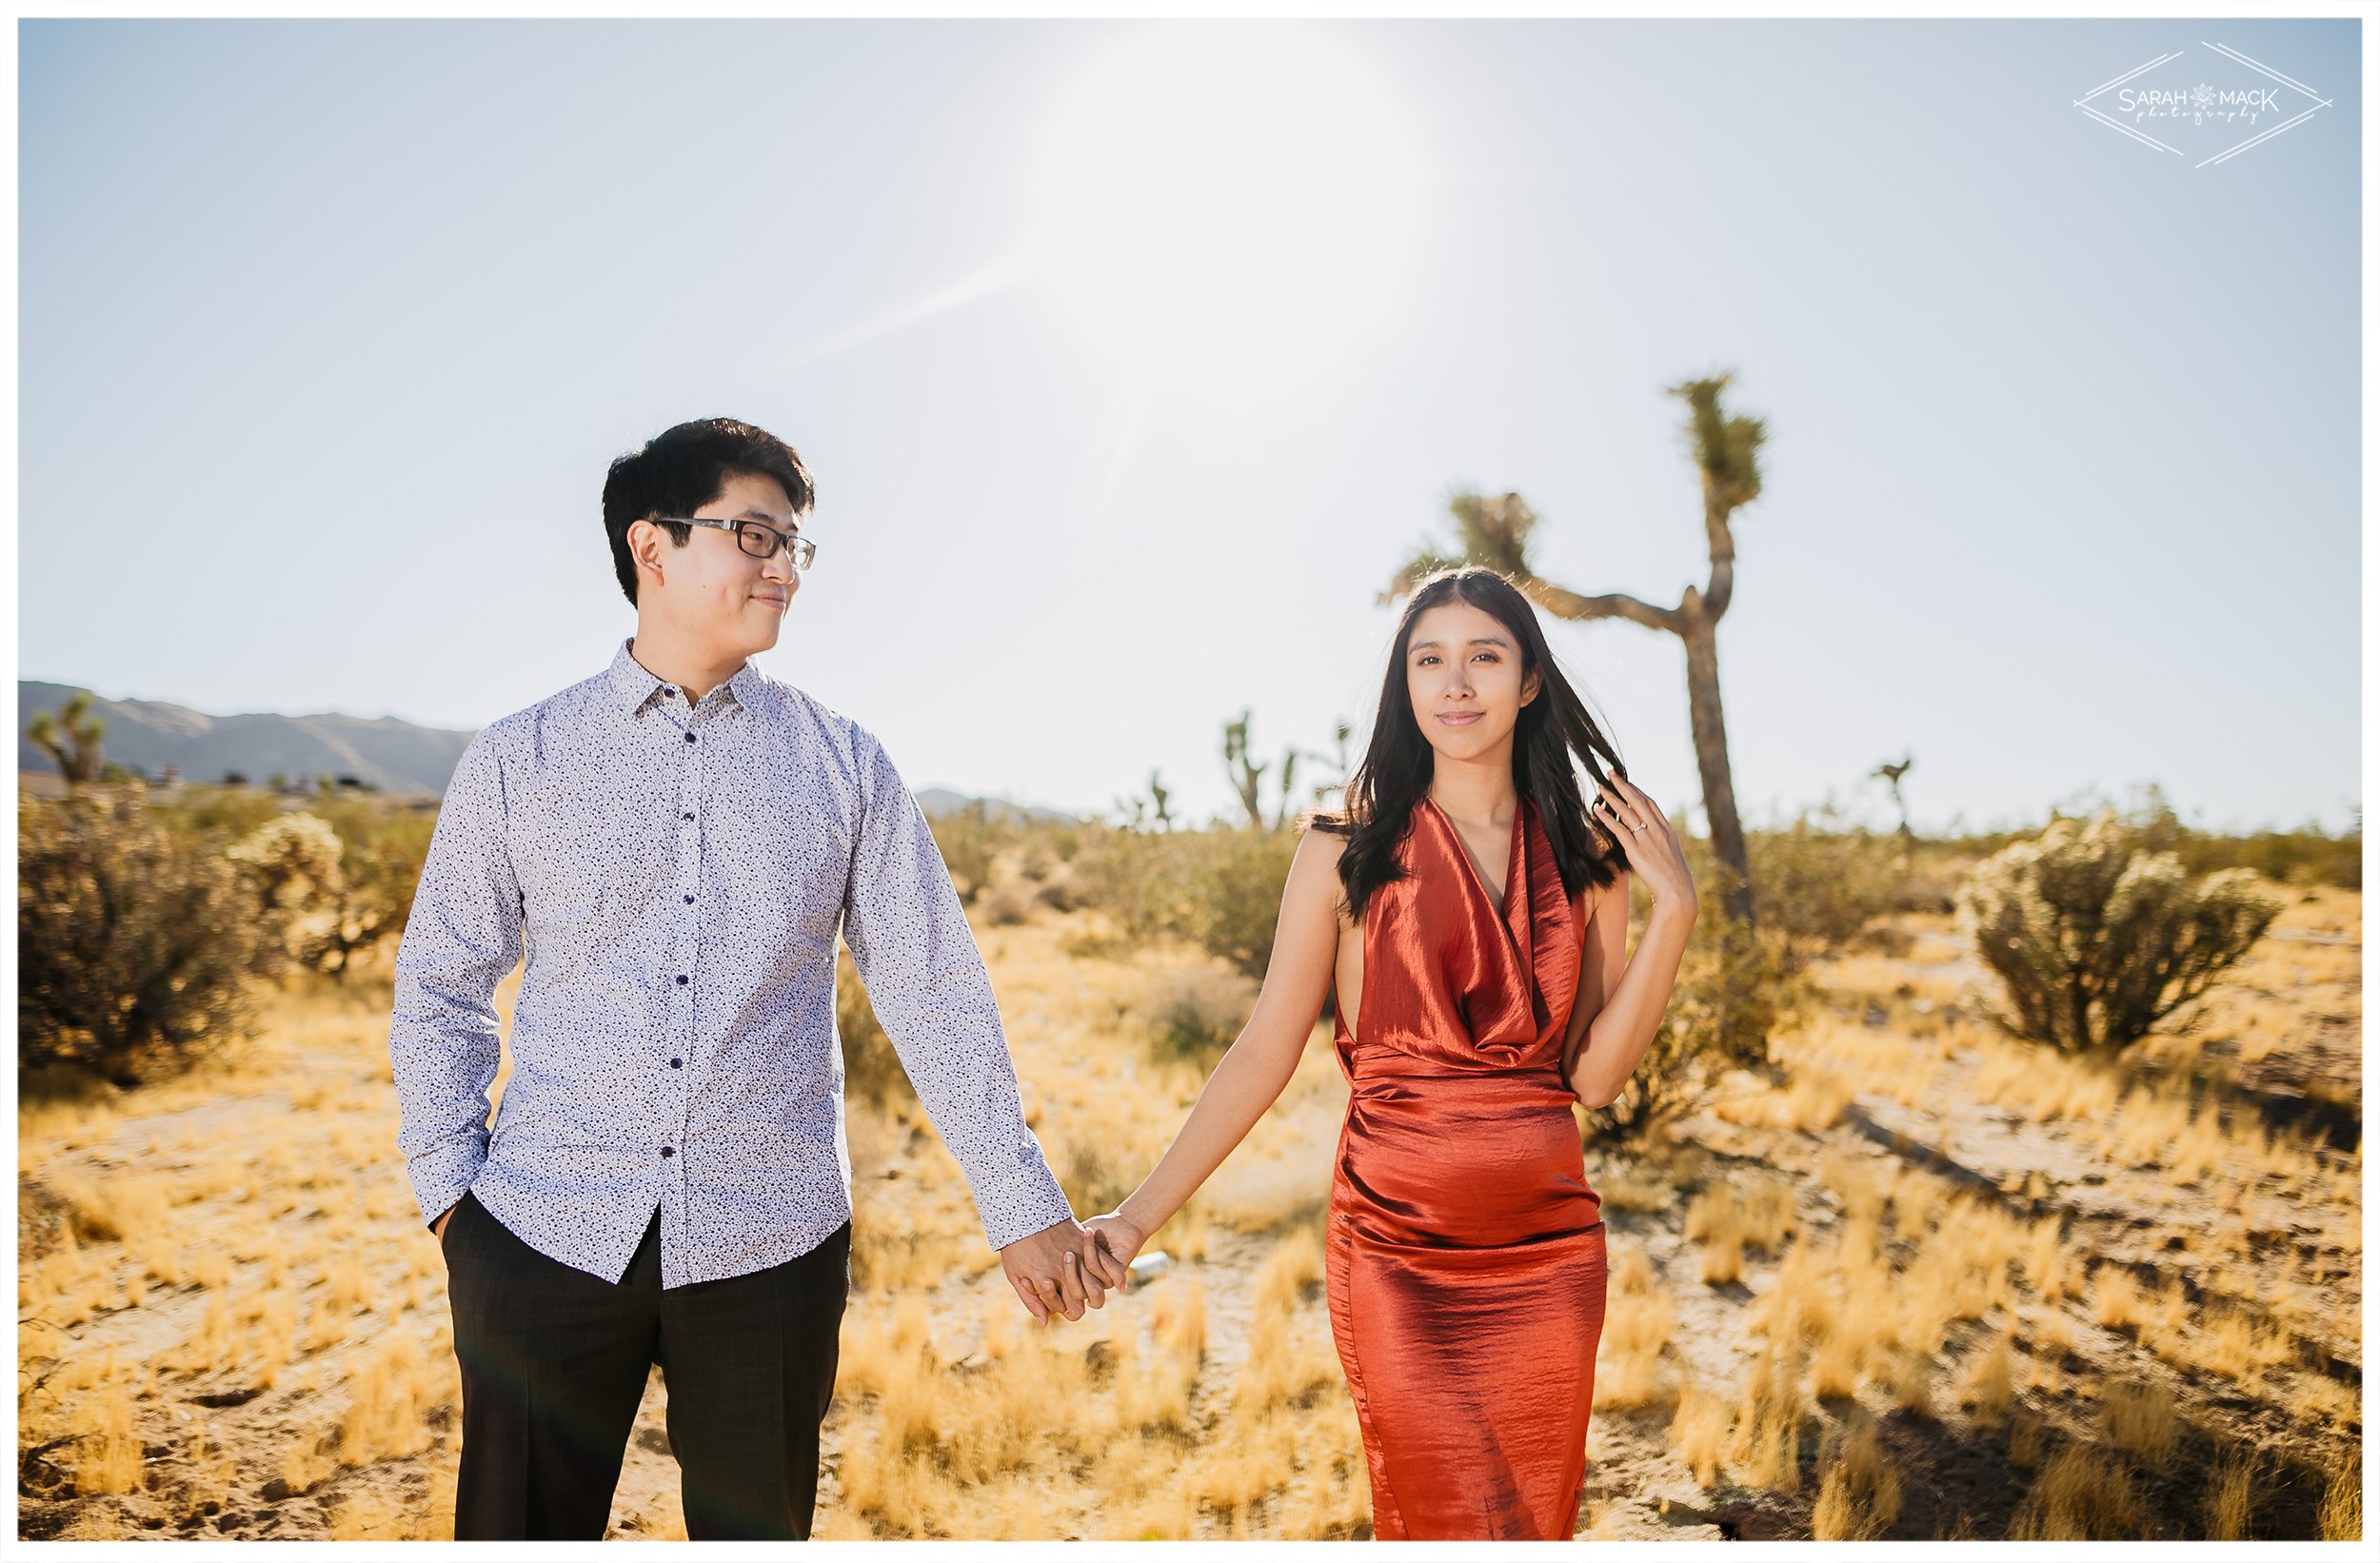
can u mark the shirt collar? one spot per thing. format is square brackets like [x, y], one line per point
[632, 683]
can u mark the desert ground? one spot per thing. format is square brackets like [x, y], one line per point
[1922, 1280]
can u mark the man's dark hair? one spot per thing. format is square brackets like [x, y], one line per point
[682, 469]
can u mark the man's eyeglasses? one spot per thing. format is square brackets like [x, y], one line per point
[756, 538]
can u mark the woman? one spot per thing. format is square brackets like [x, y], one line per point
[1473, 912]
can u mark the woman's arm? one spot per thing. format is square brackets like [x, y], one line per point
[1618, 1033]
[1628, 1010]
[1599, 963]
[1253, 1074]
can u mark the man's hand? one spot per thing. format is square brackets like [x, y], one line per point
[438, 1227]
[1059, 1270]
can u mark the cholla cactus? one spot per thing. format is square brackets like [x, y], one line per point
[293, 860]
[2094, 942]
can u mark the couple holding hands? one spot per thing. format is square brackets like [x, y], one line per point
[677, 844]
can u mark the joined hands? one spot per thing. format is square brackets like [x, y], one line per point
[1062, 1269]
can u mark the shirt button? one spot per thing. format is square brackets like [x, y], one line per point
[677, 1064]
[686, 817]
[682, 980]
[667, 1151]
[689, 737]
[689, 900]
[667, 689]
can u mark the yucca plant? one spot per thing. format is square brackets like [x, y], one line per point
[2095, 940]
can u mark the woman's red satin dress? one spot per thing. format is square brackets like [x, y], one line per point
[1464, 1258]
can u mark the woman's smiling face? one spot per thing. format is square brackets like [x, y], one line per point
[1463, 673]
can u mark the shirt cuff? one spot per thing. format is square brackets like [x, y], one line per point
[1020, 1202]
[445, 1175]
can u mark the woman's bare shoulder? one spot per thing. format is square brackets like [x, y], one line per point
[1315, 863]
[1325, 846]
[1314, 873]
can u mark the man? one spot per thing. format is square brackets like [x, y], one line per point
[679, 841]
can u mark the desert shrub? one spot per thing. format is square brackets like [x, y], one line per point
[291, 863]
[970, 841]
[2095, 940]
[225, 813]
[1007, 906]
[1234, 882]
[134, 942]
[1091, 1181]
[380, 867]
[2307, 855]
[1220, 888]
[1132, 876]
[1816, 889]
[871, 1070]
[1196, 1012]
[331, 883]
[1732, 992]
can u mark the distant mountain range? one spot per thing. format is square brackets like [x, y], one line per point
[146, 736]
[937, 801]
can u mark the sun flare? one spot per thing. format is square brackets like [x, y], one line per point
[1227, 212]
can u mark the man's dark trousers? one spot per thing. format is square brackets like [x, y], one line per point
[554, 1364]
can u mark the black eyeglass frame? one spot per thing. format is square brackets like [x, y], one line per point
[802, 549]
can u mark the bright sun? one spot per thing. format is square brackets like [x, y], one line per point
[1228, 212]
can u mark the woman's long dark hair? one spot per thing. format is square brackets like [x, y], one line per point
[1396, 767]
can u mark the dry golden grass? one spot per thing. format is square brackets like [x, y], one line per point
[2047, 1263]
[2079, 1496]
[1640, 1316]
[2341, 1518]
[2025, 1438]
[1812, 1099]
[1988, 1388]
[108, 1452]
[1631, 1189]
[1764, 1447]
[1912, 1384]
[1859, 1493]
[2139, 1419]
[1858, 1060]
[1727, 1220]
[1699, 1431]
[2229, 1498]
[2232, 1342]
[2319, 1398]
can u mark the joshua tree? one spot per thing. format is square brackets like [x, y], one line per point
[1893, 775]
[1138, 811]
[1247, 776]
[1495, 532]
[1340, 732]
[71, 738]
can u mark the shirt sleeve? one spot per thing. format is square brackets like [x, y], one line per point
[916, 957]
[462, 938]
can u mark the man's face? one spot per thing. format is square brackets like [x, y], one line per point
[711, 590]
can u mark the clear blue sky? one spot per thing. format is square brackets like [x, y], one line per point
[1124, 396]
